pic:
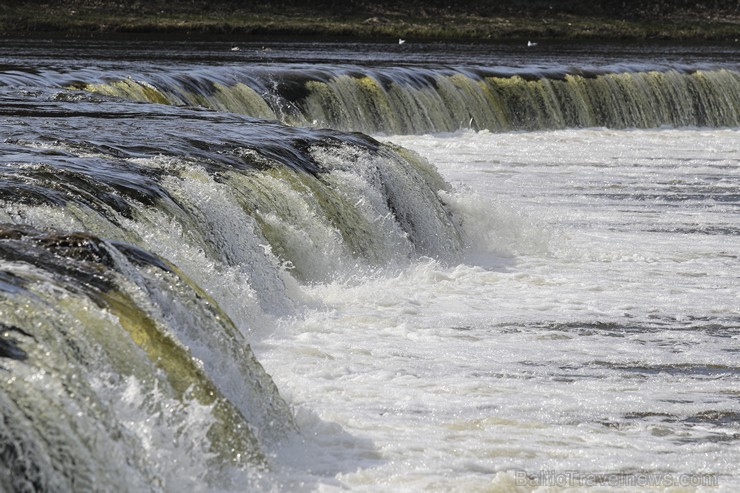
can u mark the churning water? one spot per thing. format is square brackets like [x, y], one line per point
[526, 279]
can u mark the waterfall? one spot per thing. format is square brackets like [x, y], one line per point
[115, 246]
[402, 101]
[160, 219]
[104, 341]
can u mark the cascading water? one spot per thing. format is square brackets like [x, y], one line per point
[95, 327]
[168, 247]
[207, 207]
[417, 100]
[410, 95]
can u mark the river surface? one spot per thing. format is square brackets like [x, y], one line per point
[367, 267]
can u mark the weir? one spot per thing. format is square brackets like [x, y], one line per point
[114, 249]
[303, 192]
[146, 239]
[415, 100]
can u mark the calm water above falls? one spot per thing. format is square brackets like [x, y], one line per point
[194, 299]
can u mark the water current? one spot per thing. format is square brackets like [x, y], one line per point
[368, 267]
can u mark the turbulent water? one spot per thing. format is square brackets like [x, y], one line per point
[525, 278]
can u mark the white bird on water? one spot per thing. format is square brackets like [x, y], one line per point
[531, 43]
[401, 41]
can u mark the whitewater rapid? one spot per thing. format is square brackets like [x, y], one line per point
[590, 336]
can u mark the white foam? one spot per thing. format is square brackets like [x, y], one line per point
[590, 332]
